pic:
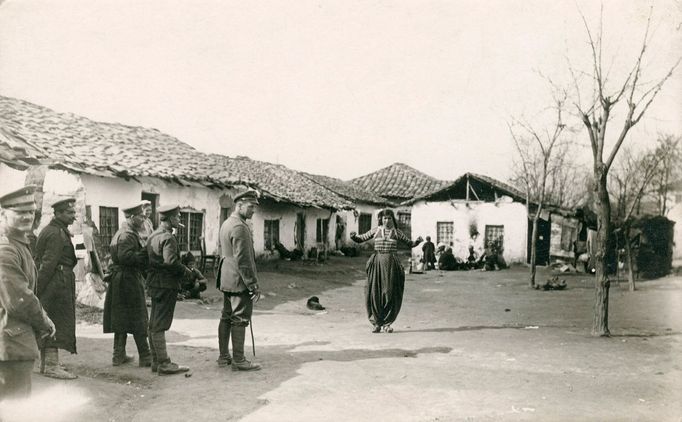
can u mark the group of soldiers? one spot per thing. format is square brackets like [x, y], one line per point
[37, 289]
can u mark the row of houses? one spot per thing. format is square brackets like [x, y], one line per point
[108, 165]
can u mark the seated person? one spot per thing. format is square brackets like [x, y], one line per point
[195, 284]
[447, 261]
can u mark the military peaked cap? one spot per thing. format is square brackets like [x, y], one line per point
[146, 203]
[63, 204]
[250, 195]
[169, 210]
[134, 210]
[22, 199]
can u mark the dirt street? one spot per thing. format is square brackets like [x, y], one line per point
[467, 346]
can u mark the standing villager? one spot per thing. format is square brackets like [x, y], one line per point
[55, 258]
[146, 228]
[125, 311]
[238, 280]
[429, 254]
[164, 279]
[385, 273]
[23, 321]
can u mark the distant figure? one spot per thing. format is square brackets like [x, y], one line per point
[447, 261]
[193, 285]
[429, 250]
[23, 322]
[146, 228]
[385, 273]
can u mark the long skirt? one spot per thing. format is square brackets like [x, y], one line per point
[384, 290]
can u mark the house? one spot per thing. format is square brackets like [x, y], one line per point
[476, 210]
[360, 219]
[675, 215]
[108, 166]
[399, 183]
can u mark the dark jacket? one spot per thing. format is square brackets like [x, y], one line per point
[166, 271]
[21, 316]
[238, 262]
[55, 258]
[125, 310]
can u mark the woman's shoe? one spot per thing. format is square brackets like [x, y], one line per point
[388, 329]
[376, 329]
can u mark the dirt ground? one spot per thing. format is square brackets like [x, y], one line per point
[467, 346]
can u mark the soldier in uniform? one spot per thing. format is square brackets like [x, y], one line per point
[55, 258]
[164, 279]
[22, 319]
[238, 281]
[125, 310]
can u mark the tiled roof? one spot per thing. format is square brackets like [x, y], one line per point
[16, 152]
[347, 190]
[278, 182]
[115, 150]
[399, 181]
[498, 187]
[107, 149]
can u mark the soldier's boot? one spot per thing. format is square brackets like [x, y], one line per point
[120, 357]
[152, 349]
[50, 366]
[143, 351]
[239, 362]
[166, 367]
[224, 359]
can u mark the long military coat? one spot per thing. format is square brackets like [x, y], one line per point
[125, 310]
[166, 271]
[21, 315]
[238, 262]
[55, 258]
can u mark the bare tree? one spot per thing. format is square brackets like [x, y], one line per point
[537, 162]
[597, 115]
[669, 170]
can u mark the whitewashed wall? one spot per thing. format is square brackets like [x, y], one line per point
[10, 179]
[512, 215]
[559, 224]
[352, 221]
[675, 214]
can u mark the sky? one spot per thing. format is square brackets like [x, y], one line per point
[339, 88]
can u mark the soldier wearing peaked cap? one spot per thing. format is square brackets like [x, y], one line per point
[24, 321]
[166, 273]
[125, 310]
[238, 281]
[55, 258]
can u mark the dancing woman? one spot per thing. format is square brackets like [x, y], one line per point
[385, 274]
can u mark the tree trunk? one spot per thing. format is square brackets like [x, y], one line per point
[628, 259]
[533, 249]
[600, 324]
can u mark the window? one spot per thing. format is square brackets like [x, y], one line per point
[364, 223]
[271, 234]
[404, 219]
[567, 235]
[322, 233]
[445, 232]
[494, 233]
[108, 225]
[189, 237]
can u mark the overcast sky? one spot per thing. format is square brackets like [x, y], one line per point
[339, 88]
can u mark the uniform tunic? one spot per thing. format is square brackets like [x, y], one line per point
[55, 259]
[164, 278]
[385, 275]
[237, 274]
[21, 316]
[125, 310]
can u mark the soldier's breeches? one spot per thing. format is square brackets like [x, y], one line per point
[237, 308]
[163, 308]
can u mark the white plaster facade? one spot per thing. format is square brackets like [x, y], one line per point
[564, 231]
[463, 214]
[351, 219]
